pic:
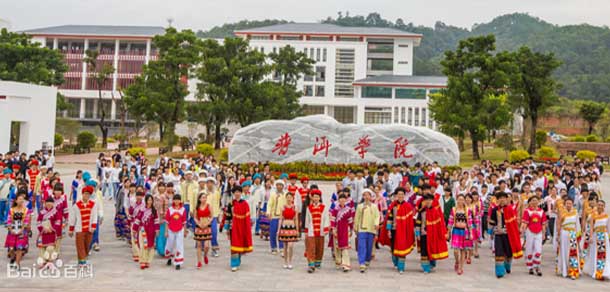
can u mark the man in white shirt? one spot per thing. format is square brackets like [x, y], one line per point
[395, 178]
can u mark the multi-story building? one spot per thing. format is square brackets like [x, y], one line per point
[363, 75]
[126, 48]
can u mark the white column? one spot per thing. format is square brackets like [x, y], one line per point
[392, 115]
[84, 79]
[81, 114]
[115, 75]
[427, 117]
[359, 114]
[55, 43]
[95, 106]
[326, 110]
[113, 110]
[147, 58]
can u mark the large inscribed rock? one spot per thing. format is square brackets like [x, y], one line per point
[321, 139]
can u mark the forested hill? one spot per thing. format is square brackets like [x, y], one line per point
[583, 49]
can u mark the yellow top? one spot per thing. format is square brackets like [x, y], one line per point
[276, 204]
[214, 201]
[188, 192]
[367, 218]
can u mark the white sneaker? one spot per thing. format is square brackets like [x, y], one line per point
[285, 266]
[233, 269]
[290, 267]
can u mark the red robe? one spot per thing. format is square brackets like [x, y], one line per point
[512, 230]
[404, 226]
[435, 232]
[240, 226]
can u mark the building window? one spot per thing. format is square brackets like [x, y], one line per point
[423, 117]
[274, 50]
[377, 115]
[89, 108]
[320, 73]
[376, 92]
[396, 115]
[403, 46]
[344, 72]
[318, 55]
[411, 93]
[259, 37]
[308, 90]
[416, 116]
[380, 48]
[344, 114]
[305, 51]
[311, 53]
[319, 90]
[403, 62]
[381, 64]
[410, 117]
[348, 39]
[309, 110]
[105, 105]
[74, 110]
[263, 50]
[324, 55]
[320, 39]
[290, 38]
[402, 115]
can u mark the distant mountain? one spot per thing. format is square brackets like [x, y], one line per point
[584, 49]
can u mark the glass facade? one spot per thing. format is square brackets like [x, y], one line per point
[344, 114]
[376, 92]
[309, 110]
[381, 64]
[411, 93]
[377, 115]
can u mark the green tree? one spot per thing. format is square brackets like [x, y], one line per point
[101, 72]
[289, 65]
[158, 94]
[532, 87]
[592, 112]
[475, 77]
[25, 61]
[62, 105]
[86, 139]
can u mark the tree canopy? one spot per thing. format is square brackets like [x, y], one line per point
[592, 112]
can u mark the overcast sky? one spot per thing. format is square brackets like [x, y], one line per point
[204, 14]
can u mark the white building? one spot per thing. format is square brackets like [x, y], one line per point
[363, 75]
[126, 48]
[31, 109]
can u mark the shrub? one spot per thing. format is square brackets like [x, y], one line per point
[540, 138]
[224, 154]
[119, 137]
[518, 155]
[58, 139]
[607, 139]
[578, 139]
[110, 140]
[592, 138]
[205, 149]
[547, 152]
[133, 151]
[86, 139]
[586, 155]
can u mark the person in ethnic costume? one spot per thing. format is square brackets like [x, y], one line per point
[366, 226]
[18, 224]
[203, 228]
[342, 225]
[147, 223]
[399, 225]
[136, 206]
[276, 205]
[533, 225]
[238, 226]
[60, 201]
[460, 232]
[161, 201]
[289, 231]
[430, 231]
[567, 234]
[316, 227]
[83, 222]
[213, 196]
[48, 222]
[175, 217]
[263, 218]
[507, 240]
[597, 263]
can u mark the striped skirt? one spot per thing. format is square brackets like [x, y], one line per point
[458, 238]
[288, 232]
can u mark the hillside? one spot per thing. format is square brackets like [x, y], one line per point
[584, 49]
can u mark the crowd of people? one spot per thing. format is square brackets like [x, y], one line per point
[516, 207]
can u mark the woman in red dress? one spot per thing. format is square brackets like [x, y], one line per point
[203, 228]
[289, 232]
[238, 226]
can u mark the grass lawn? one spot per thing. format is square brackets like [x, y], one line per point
[494, 154]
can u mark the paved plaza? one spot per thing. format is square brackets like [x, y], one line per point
[113, 269]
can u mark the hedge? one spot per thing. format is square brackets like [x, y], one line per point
[586, 155]
[224, 154]
[58, 140]
[205, 149]
[133, 151]
[592, 138]
[578, 139]
[546, 152]
[518, 155]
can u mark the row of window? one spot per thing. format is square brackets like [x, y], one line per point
[320, 74]
[399, 93]
[301, 37]
[308, 90]
[412, 116]
[316, 54]
[93, 108]
[75, 83]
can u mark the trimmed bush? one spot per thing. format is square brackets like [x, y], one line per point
[110, 140]
[547, 152]
[58, 139]
[518, 155]
[133, 151]
[578, 139]
[592, 138]
[607, 139]
[86, 139]
[586, 155]
[540, 138]
[205, 149]
[224, 154]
